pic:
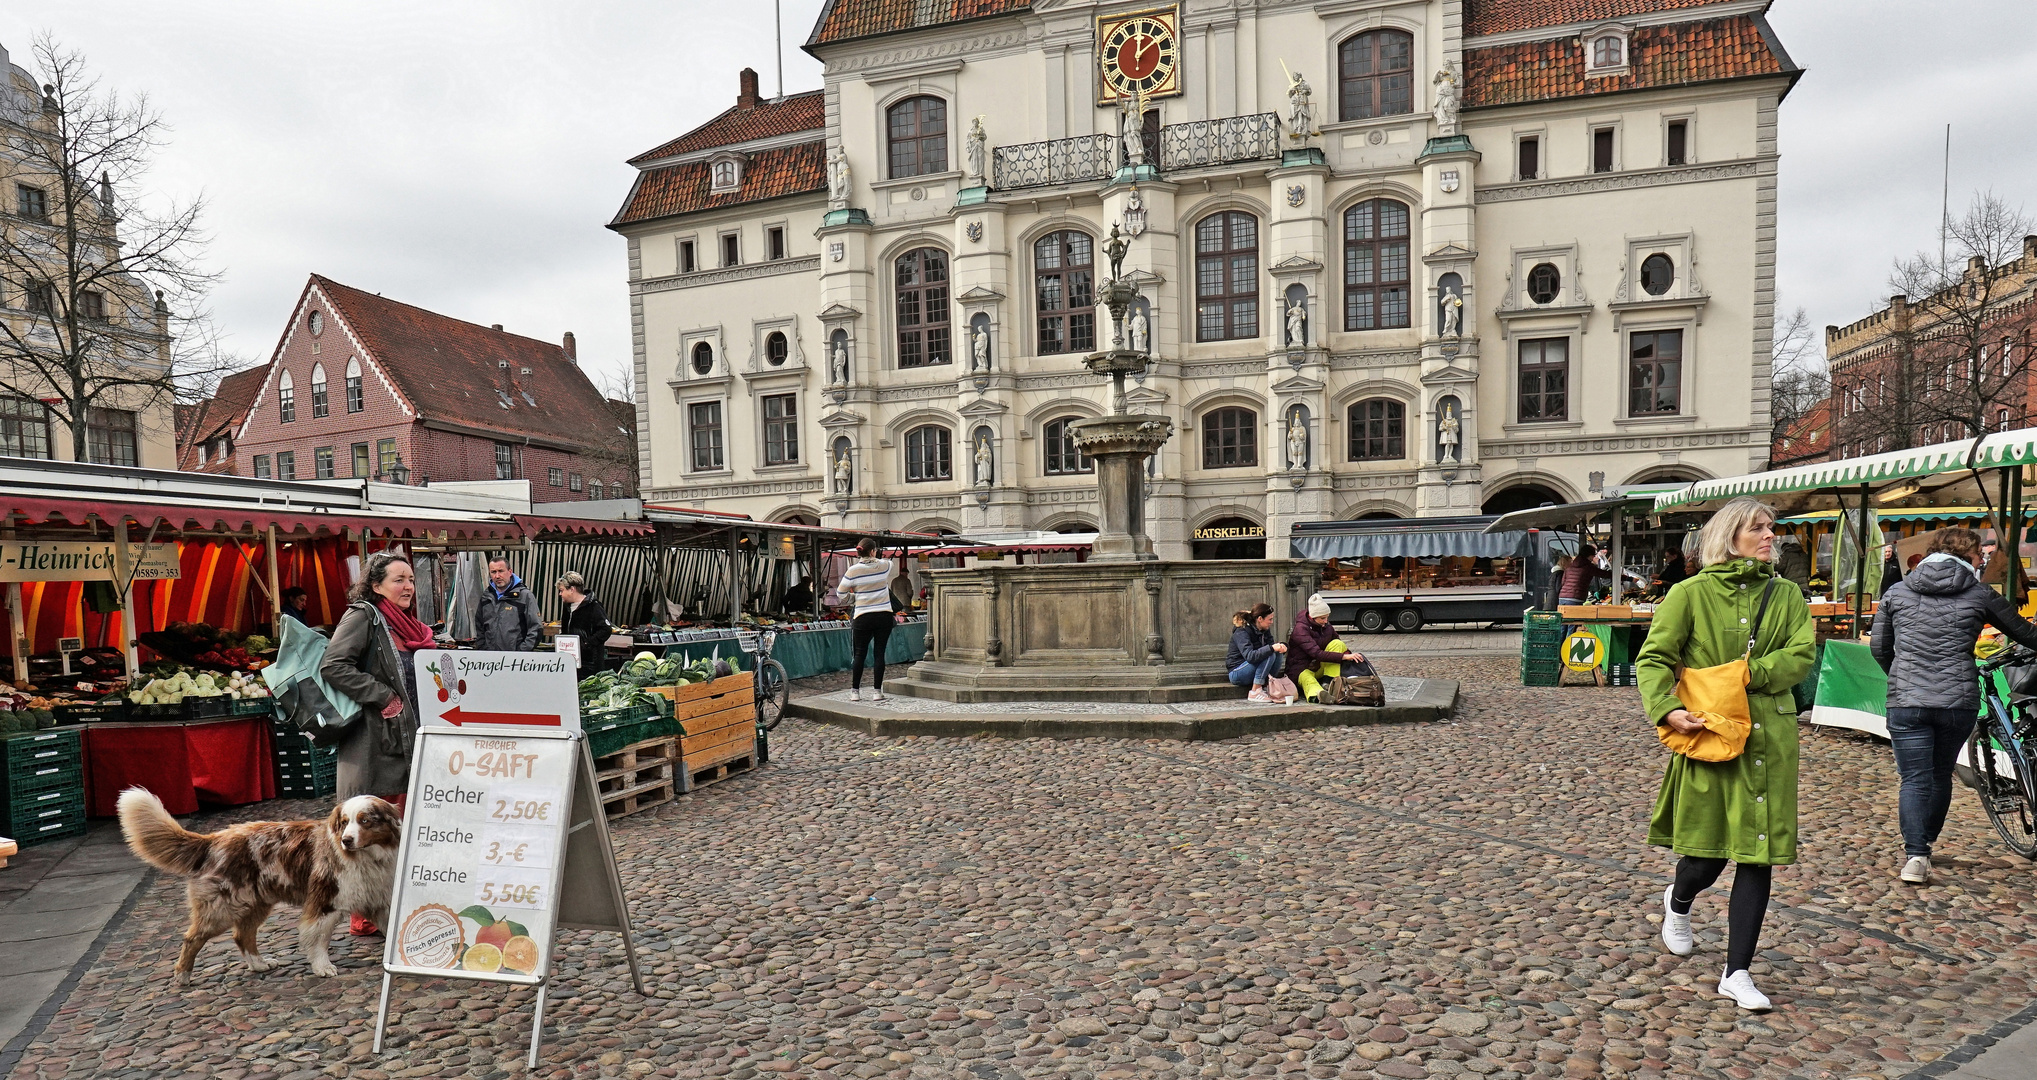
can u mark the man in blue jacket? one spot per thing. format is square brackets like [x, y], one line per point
[508, 618]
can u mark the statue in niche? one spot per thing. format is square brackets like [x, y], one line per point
[842, 471]
[838, 179]
[1297, 323]
[979, 349]
[1448, 432]
[1301, 110]
[974, 149]
[983, 461]
[1448, 98]
[1131, 128]
[1297, 441]
[1453, 315]
[841, 363]
[1138, 329]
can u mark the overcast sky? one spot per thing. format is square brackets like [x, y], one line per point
[463, 155]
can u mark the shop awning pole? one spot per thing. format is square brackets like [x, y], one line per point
[2011, 545]
[1860, 563]
[17, 632]
[735, 576]
[123, 568]
[275, 583]
[1618, 557]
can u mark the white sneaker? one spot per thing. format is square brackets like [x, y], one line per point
[1739, 986]
[855, 693]
[1259, 696]
[1675, 928]
[876, 695]
[1917, 871]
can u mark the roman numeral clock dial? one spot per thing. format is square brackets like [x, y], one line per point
[1139, 55]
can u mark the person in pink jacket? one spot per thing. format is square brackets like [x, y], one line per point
[1309, 646]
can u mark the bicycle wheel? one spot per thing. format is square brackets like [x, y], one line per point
[774, 690]
[2007, 783]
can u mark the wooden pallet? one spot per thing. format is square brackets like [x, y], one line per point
[721, 771]
[7, 849]
[639, 776]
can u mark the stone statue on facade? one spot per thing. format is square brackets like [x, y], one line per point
[979, 349]
[1301, 109]
[842, 470]
[1453, 315]
[1297, 442]
[1297, 324]
[838, 179]
[1132, 129]
[1448, 434]
[975, 151]
[983, 461]
[1138, 329]
[841, 364]
[1448, 98]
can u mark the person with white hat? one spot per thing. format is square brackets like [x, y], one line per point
[1313, 644]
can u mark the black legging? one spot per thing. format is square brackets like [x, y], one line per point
[869, 627]
[1751, 882]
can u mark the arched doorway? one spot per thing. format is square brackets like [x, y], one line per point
[1380, 515]
[1229, 538]
[1522, 497]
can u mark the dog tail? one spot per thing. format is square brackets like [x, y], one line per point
[156, 837]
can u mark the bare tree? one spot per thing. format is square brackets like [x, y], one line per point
[1797, 376]
[111, 314]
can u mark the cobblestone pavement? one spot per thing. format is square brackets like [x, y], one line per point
[1434, 900]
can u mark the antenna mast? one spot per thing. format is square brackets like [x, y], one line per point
[1945, 203]
[778, 39]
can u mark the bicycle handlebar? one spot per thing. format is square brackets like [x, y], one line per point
[2014, 654]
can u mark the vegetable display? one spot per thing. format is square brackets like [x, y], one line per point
[176, 688]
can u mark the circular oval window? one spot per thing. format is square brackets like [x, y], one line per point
[1658, 273]
[775, 349]
[316, 322]
[703, 358]
[1544, 282]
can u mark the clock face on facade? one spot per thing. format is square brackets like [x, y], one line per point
[1139, 54]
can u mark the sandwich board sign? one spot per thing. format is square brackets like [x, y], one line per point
[518, 689]
[504, 838]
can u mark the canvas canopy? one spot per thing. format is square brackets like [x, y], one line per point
[1923, 476]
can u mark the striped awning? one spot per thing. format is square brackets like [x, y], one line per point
[1936, 475]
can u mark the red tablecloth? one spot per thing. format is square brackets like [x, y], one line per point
[224, 762]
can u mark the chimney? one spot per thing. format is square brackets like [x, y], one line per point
[747, 97]
[571, 349]
[497, 327]
[2030, 250]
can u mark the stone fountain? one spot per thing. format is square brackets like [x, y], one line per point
[1125, 626]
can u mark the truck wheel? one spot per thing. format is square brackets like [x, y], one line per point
[1407, 620]
[1371, 621]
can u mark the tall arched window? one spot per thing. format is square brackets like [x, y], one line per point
[1063, 456]
[355, 401]
[918, 127]
[923, 334]
[1378, 430]
[1376, 75]
[929, 454]
[1227, 276]
[319, 407]
[1230, 438]
[286, 398]
[1376, 265]
[1064, 279]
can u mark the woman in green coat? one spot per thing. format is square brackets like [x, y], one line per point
[1743, 810]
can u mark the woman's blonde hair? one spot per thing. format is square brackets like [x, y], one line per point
[1716, 544]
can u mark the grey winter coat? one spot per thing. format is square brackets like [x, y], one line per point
[363, 662]
[1925, 631]
[508, 622]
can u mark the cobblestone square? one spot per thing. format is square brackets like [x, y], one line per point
[1434, 900]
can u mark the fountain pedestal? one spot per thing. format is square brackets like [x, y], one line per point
[1121, 445]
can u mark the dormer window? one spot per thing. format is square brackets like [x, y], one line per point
[1606, 51]
[725, 173]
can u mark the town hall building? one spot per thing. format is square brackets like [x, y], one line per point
[1394, 259]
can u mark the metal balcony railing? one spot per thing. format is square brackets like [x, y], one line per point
[1098, 157]
[1056, 161]
[1219, 142]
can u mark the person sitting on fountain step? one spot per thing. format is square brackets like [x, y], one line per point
[1316, 648]
[1254, 656]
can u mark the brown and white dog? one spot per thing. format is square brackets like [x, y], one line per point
[346, 863]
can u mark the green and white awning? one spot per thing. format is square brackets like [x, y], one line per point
[1937, 475]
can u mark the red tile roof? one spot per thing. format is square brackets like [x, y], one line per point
[449, 371]
[1500, 16]
[1807, 439]
[217, 415]
[683, 189]
[846, 20]
[1661, 56]
[745, 123]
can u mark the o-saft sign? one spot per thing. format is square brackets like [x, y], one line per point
[35, 560]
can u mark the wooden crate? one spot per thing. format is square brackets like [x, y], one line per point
[720, 717]
[7, 850]
[639, 776]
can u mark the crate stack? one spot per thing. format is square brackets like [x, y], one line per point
[1541, 648]
[303, 770]
[42, 785]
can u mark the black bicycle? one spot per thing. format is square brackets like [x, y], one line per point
[774, 690]
[1999, 764]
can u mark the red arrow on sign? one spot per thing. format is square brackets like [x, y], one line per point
[457, 718]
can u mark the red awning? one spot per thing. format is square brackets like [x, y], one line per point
[533, 526]
[33, 510]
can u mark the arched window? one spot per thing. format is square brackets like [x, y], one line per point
[1376, 265]
[919, 136]
[703, 358]
[775, 349]
[319, 409]
[1378, 430]
[1064, 280]
[1063, 456]
[355, 401]
[922, 281]
[286, 398]
[1227, 276]
[1376, 75]
[929, 454]
[1658, 273]
[593, 490]
[1230, 438]
[1608, 51]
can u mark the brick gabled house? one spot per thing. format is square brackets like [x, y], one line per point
[206, 430]
[359, 383]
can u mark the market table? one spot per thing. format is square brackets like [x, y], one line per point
[225, 762]
[806, 653]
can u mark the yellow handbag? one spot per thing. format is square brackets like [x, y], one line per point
[1717, 697]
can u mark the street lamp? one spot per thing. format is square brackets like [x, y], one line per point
[399, 473]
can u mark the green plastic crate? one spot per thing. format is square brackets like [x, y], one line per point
[35, 813]
[608, 740]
